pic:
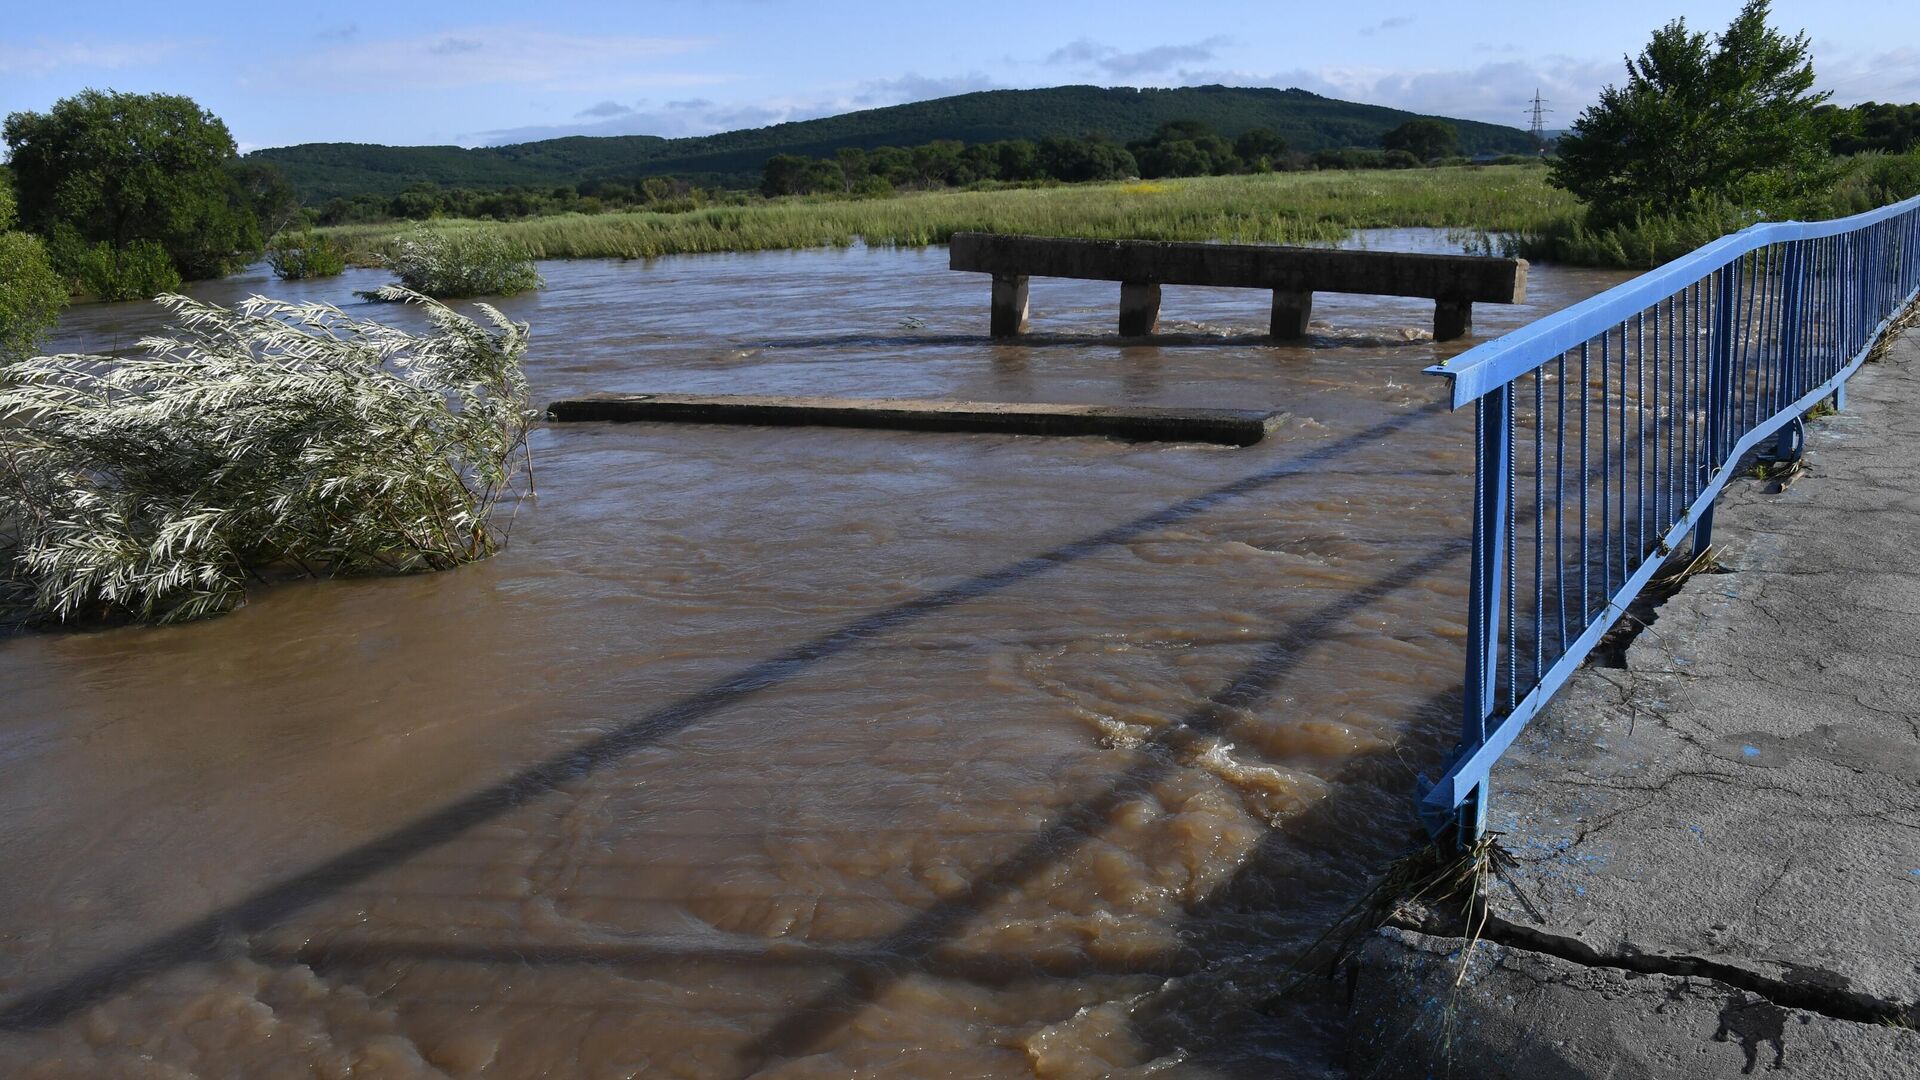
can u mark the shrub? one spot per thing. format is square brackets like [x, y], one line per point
[261, 440]
[31, 294]
[305, 254]
[1640, 244]
[454, 264]
[140, 271]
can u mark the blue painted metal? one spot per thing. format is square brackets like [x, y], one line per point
[1681, 372]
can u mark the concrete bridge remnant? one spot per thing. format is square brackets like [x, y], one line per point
[1453, 282]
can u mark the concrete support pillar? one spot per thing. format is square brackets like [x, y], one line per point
[1139, 308]
[1452, 319]
[1009, 317]
[1291, 313]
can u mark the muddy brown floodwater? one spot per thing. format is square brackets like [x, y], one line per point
[778, 752]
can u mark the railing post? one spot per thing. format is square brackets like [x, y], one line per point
[1791, 444]
[1719, 391]
[1493, 496]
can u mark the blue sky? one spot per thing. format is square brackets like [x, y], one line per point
[481, 72]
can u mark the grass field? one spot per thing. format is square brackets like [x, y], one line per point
[1270, 208]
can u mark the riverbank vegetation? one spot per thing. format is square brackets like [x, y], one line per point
[1308, 207]
[298, 255]
[31, 294]
[460, 263]
[270, 440]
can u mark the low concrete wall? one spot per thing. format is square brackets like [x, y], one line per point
[1230, 427]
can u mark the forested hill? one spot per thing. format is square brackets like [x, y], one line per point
[1307, 122]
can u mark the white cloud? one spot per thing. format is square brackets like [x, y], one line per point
[43, 58]
[1394, 22]
[605, 109]
[915, 87]
[509, 55]
[1086, 53]
[671, 119]
[703, 116]
[1893, 75]
[1496, 92]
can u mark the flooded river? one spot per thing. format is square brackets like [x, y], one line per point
[779, 752]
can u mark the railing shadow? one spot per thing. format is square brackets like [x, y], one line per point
[1317, 862]
[808, 1024]
[1261, 931]
[214, 934]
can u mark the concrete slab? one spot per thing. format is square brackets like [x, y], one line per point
[1741, 802]
[1230, 427]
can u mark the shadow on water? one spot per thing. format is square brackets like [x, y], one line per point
[1321, 859]
[1225, 1018]
[810, 1023]
[212, 936]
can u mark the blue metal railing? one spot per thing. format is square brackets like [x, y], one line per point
[1604, 432]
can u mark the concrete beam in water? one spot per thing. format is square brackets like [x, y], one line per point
[1229, 427]
[1454, 282]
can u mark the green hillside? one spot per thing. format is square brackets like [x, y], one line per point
[1307, 121]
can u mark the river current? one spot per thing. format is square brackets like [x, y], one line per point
[780, 752]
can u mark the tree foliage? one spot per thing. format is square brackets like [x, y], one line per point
[270, 438]
[31, 294]
[1731, 117]
[1872, 125]
[117, 169]
[1425, 138]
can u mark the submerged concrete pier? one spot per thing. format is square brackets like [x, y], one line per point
[1454, 282]
[1718, 845]
[1229, 427]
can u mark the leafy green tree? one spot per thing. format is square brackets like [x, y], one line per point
[31, 294]
[1256, 146]
[1425, 139]
[119, 168]
[784, 174]
[1184, 148]
[1891, 128]
[938, 163]
[1017, 159]
[1093, 158]
[274, 203]
[853, 165]
[1732, 118]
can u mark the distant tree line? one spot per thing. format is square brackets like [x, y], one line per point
[1177, 148]
[1888, 129]
[425, 199]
